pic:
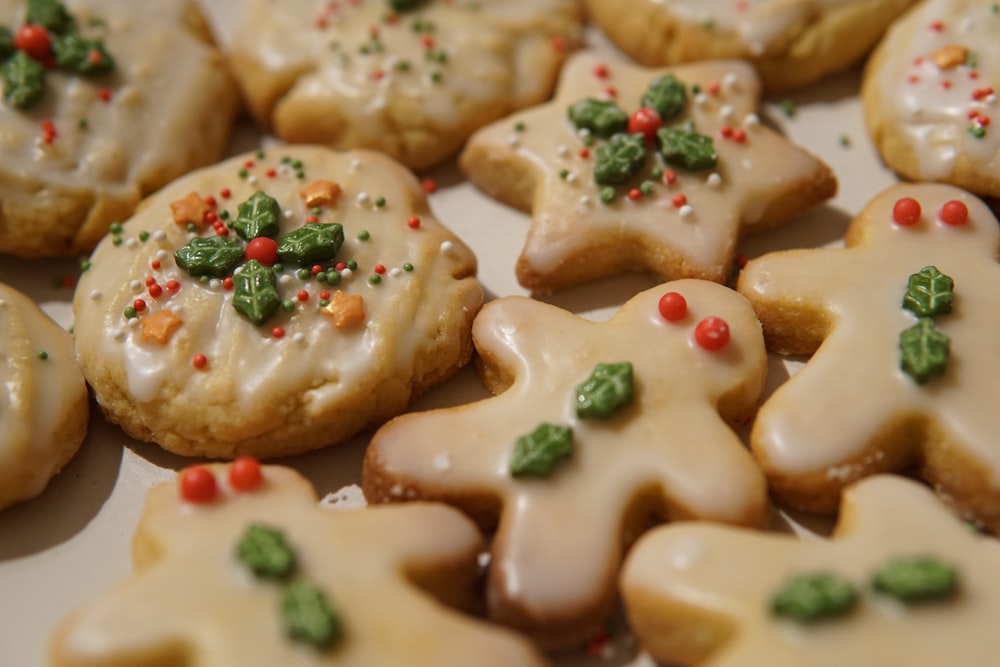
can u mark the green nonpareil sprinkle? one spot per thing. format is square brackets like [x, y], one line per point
[255, 293]
[537, 453]
[363, 235]
[265, 551]
[917, 579]
[85, 265]
[646, 188]
[42, 355]
[243, 173]
[214, 257]
[303, 274]
[288, 306]
[929, 292]
[924, 350]
[379, 202]
[813, 597]
[519, 126]
[129, 312]
[787, 107]
[563, 173]
[352, 264]
[844, 141]
[311, 244]
[260, 154]
[115, 228]
[258, 216]
[144, 236]
[607, 195]
[978, 131]
[83, 124]
[608, 389]
[436, 76]
[308, 616]
[407, 266]
[374, 279]
[619, 159]
[601, 117]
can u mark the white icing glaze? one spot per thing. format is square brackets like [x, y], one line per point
[670, 444]
[724, 202]
[249, 371]
[853, 389]
[157, 118]
[36, 396]
[191, 590]
[882, 518]
[930, 105]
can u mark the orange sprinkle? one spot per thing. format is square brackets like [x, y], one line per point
[190, 209]
[159, 327]
[346, 310]
[321, 193]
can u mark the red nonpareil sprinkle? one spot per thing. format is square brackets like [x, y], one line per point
[173, 285]
[139, 305]
[906, 212]
[155, 291]
[248, 164]
[726, 131]
[739, 136]
[427, 41]
[323, 296]
[601, 71]
[378, 75]
[946, 84]
[429, 185]
[150, 280]
[211, 217]
[678, 200]
[104, 94]
[558, 45]
[913, 78]
[228, 283]
[94, 57]
[373, 30]
[302, 295]
[596, 645]
[225, 193]
[611, 92]
[211, 201]
[278, 332]
[585, 152]
[320, 22]
[197, 485]
[271, 173]
[712, 87]
[245, 474]
[341, 266]
[379, 269]
[980, 94]
[68, 281]
[712, 333]
[669, 177]
[199, 361]
[937, 26]
[316, 269]
[155, 265]
[673, 306]
[954, 213]
[312, 219]
[635, 194]
[413, 223]
[49, 133]
[263, 249]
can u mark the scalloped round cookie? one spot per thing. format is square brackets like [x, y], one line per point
[412, 82]
[44, 406]
[126, 110]
[274, 303]
[791, 43]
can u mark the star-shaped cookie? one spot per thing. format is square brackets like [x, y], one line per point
[674, 201]
[902, 323]
[596, 428]
[410, 79]
[902, 582]
[210, 586]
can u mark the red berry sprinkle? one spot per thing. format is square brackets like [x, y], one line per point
[227, 283]
[429, 185]
[139, 305]
[278, 332]
[712, 333]
[645, 121]
[324, 295]
[669, 177]
[906, 211]
[413, 223]
[601, 71]
[34, 40]
[380, 269]
[635, 194]
[954, 212]
[263, 249]
[678, 200]
[104, 94]
[271, 173]
[211, 201]
[673, 306]
[225, 193]
[584, 152]
[199, 361]
[155, 265]
[150, 280]
[316, 269]
[302, 295]
[244, 474]
[198, 485]
[155, 291]
[173, 285]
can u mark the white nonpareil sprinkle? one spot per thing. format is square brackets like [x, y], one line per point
[299, 337]
[346, 273]
[726, 112]
[284, 279]
[747, 163]
[685, 211]
[701, 99]
[751, 120]
[354, 164]
[95, 295]
[288, 213]
[162, 255]
[714, 180]
[442, 462]
[447, 246]
[159, 235]
[513, 141]
[562, 150]
[396, 490]
[363, 198]
[251, 179]
[132, 243]
[119, 335]
[135, 286]
[583, 133]
[571, 177]
[395, 271]
[133, 322]
[729, 82]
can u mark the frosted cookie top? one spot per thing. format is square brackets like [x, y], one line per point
[596, 426]
[299, 275]
[902, 581]
[132, 109]
[631, 168]
[413, 79]
[238, 566]
[40, 389]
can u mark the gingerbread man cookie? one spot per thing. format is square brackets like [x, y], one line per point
[239, 566]
[274, 303]
[409, 78]
[103, 102]
[791, 43]
[597, 427]
[902, 582]
[901, 323]
[637, 169]
[930, 97]
[44, 407]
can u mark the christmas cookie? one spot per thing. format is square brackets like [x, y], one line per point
[902, 582]
[97, 111]
[637, 169]
[238, 566]
[791, 43]
[901, 323]
[274, 303]
[43, 398]
[929, 95]
[411, 79]
[596, 429]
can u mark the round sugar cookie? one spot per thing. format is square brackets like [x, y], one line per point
[411, 79]
[929, 95]
[43, 399]
[131, 96]
[274, 303]
[792, 43]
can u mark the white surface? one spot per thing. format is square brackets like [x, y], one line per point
[68, 545]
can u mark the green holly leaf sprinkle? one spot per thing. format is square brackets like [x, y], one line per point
[607, 389]
[537, 453]
[51, 14]
[265, 552]
[6, 42]
[666, 96]
[812, 597]
[917, 579]
[603, 118]
[86, 57]
[929, 292]
[214, 256]
[619, 159]
[311, 244]
[308, 615]
[258, 216]
[23, 80]
[924, 350]
[687, 149]
[255, 292]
